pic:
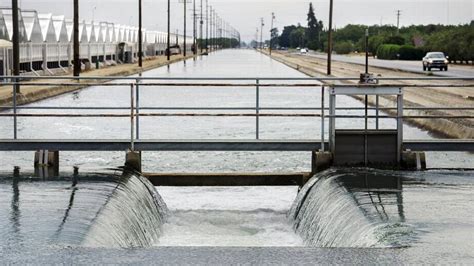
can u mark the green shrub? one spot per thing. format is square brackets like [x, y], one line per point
[408, 52]
[388, 51]
[343, 47]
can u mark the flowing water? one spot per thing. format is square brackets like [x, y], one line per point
[427, 217]
[93, 211]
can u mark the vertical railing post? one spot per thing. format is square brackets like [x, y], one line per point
[332, 120]
[323, 113]
[132, 125]
[15, 129]
[366, 127]
[399, 124]
[377, 112]
[257, 108]
[137, 107]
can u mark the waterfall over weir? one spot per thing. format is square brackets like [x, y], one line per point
[351, 208]
[103, 210]
[132, 216]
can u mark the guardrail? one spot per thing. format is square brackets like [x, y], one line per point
[135, 111]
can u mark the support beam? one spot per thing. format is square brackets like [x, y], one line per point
[446, 145]
[228, 179]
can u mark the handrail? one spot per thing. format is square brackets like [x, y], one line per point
[257, 111]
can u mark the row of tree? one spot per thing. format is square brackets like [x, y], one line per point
[414, 41]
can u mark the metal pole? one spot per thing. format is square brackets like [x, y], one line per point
[194, 28]
[201, 28]
[76, 56]
[257, 109]
[169, 33]
[323, 113]
[367, 51]
[261, 33]
[16, 44]
[377, 112]
[137, 107]
[207, 26]
[332, 121]
[400, 124]
[140, 37]
[271, 33]
[184, 50]
[132, 129]
[330, 37]
[366, 159]
[15, 131]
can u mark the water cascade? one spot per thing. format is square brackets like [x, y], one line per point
[331, 210]
[131, 217]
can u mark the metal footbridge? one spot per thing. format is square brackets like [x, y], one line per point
[364, 142]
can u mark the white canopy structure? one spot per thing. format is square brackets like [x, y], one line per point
[60, 29]
[32, 27]
[8, 22]
[46, 42]
[47, 27]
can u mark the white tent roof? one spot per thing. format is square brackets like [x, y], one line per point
[83, 32]
[97, 32]
[3, 28]
[47, 27]
[90, 33]
[8, 21]
[69, 29]
[111, 30]
[32, 26]
[104, 30]
[60, 29]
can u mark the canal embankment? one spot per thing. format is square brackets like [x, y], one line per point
[419, 97]
[30, 93]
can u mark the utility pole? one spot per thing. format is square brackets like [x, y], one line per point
[256, 39]
[211, 30]
[398, 21]
[261, 33]
[201, 22]
[367, 51]
[169, 34]
[184, 40]
[76, 47]
[330, 37]
[271, 33]
[140, 33]
[194, 27]
[16, 43]
[207, 27]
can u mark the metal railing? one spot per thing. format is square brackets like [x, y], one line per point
[135, 109]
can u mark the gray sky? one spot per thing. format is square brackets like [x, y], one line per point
[245, 14]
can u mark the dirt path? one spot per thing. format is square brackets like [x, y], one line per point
[414, 97]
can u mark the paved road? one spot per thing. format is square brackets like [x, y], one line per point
[410, 66]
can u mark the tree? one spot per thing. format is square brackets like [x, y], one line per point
[297, 37]
[285, 36]
[274, 37]
[314, 29]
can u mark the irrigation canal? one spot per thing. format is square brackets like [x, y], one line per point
[416, 217]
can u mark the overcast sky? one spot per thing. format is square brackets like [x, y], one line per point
[244, 15]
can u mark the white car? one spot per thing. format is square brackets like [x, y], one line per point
[304, 51]
[435, 60]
